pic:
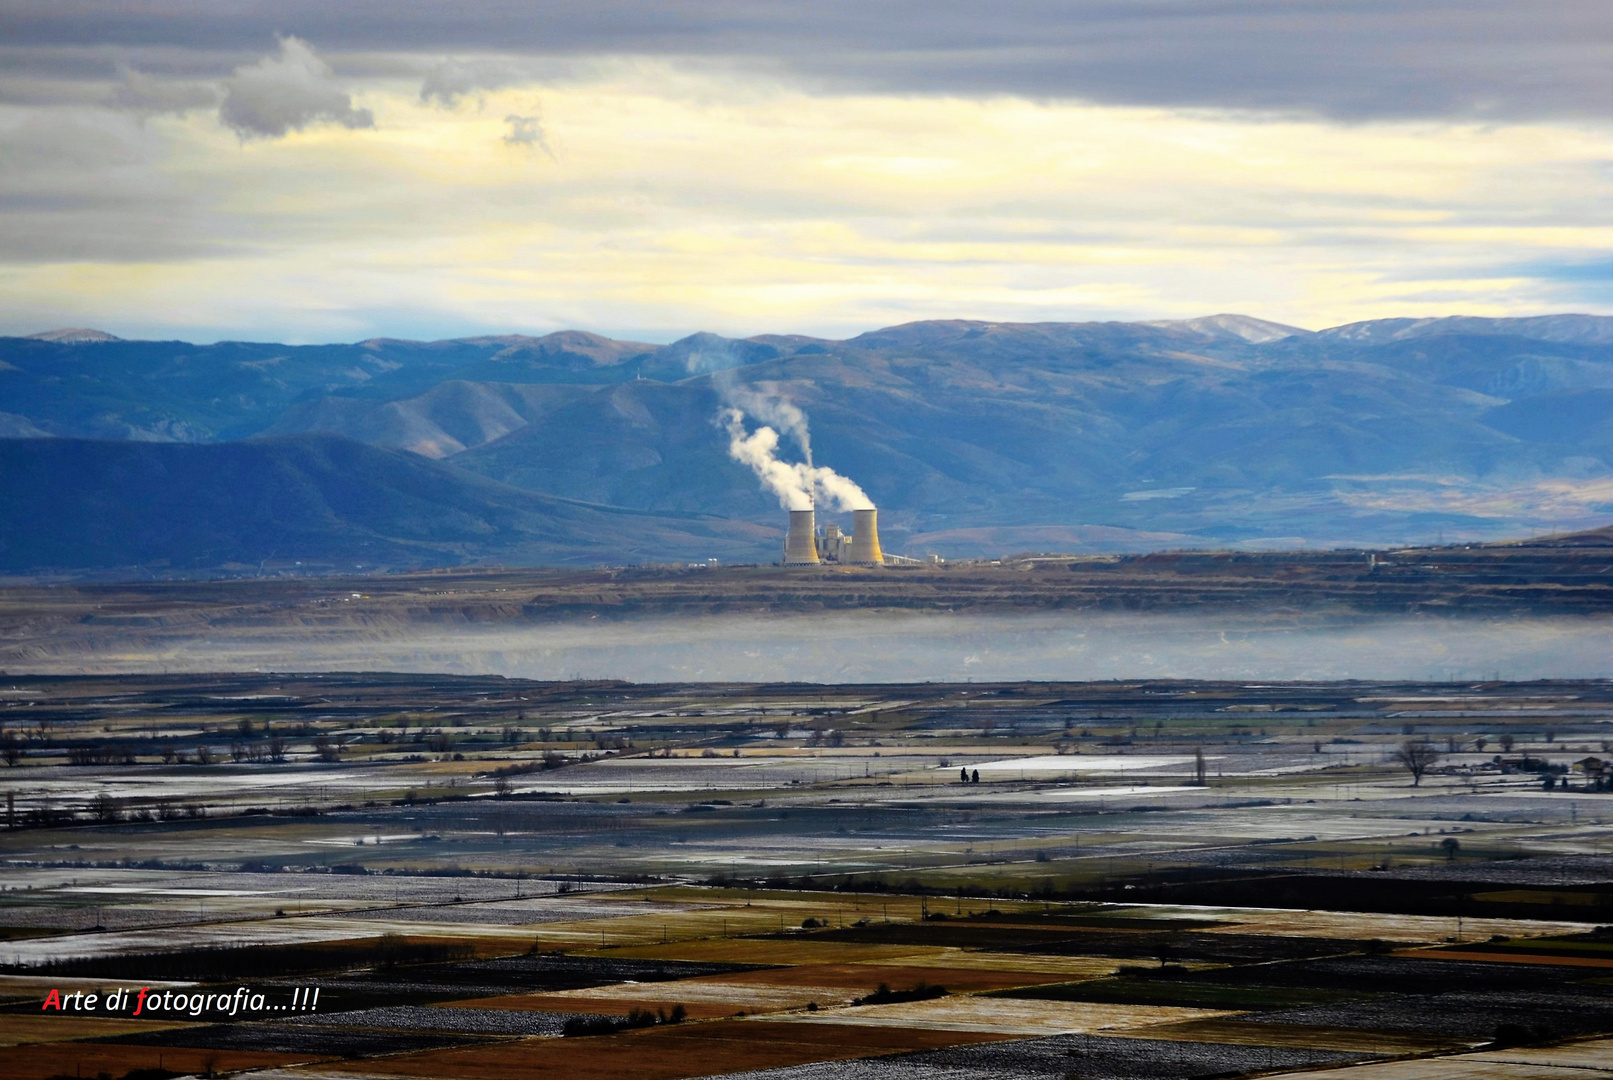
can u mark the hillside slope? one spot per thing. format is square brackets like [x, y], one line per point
[973, 437]
[1192, 435]
[321, 501]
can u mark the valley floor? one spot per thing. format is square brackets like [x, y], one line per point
[486, 877]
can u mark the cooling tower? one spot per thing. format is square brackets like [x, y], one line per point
[864, 538]
[800, 546]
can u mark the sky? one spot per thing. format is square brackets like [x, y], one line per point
[303, 172]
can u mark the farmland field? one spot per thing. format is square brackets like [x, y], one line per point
[486, 877]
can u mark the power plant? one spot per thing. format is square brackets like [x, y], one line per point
[800, 544]
[865, 538]
[804, 546]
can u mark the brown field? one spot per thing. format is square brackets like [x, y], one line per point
[865, 977]
[1586, 1054]
[1065, 967]
[1584, 1060]
[766, 991]
[786, 951]
[621, 1000]
[1508, 957]
[671, 1053]
[17, 1029]
[42, 1060]
[1009, 1017]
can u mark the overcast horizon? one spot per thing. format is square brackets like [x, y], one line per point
[303, 173]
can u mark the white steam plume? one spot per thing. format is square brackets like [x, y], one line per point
[773, 411]
[799, 486]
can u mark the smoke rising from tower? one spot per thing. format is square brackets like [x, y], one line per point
[797, 485]
[773, 411]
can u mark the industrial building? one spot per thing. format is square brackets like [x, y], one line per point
[805, 546]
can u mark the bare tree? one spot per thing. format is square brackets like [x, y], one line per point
[1506, 743]
[327, 748]
[1416, 755]
[106, 808]
[1198, 766]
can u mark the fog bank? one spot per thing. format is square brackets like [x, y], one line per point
[881, 647]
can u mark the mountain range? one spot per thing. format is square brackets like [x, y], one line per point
[972, 437]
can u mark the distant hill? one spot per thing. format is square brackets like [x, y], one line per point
[1255, 331]
[320, 501]
[968, 434]
[1578, 329]
[1166, 435]
[74, 336]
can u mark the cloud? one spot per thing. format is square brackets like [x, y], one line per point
[139, 92]
[528, 131]
[452, 80]
[288, 92]
[742, 206]
[88, 184]
[1349, 59]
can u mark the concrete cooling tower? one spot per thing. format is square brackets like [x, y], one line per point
[801, 545]
[864, 538]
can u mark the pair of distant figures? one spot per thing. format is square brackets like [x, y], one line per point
[963, 776]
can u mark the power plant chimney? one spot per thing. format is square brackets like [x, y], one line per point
[801, 545]
[864, 538]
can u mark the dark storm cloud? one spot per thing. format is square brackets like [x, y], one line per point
[1341, 58]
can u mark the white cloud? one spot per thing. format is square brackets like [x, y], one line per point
[288, 92]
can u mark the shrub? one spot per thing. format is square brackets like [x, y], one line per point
[579, 1026]
[884, 995]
